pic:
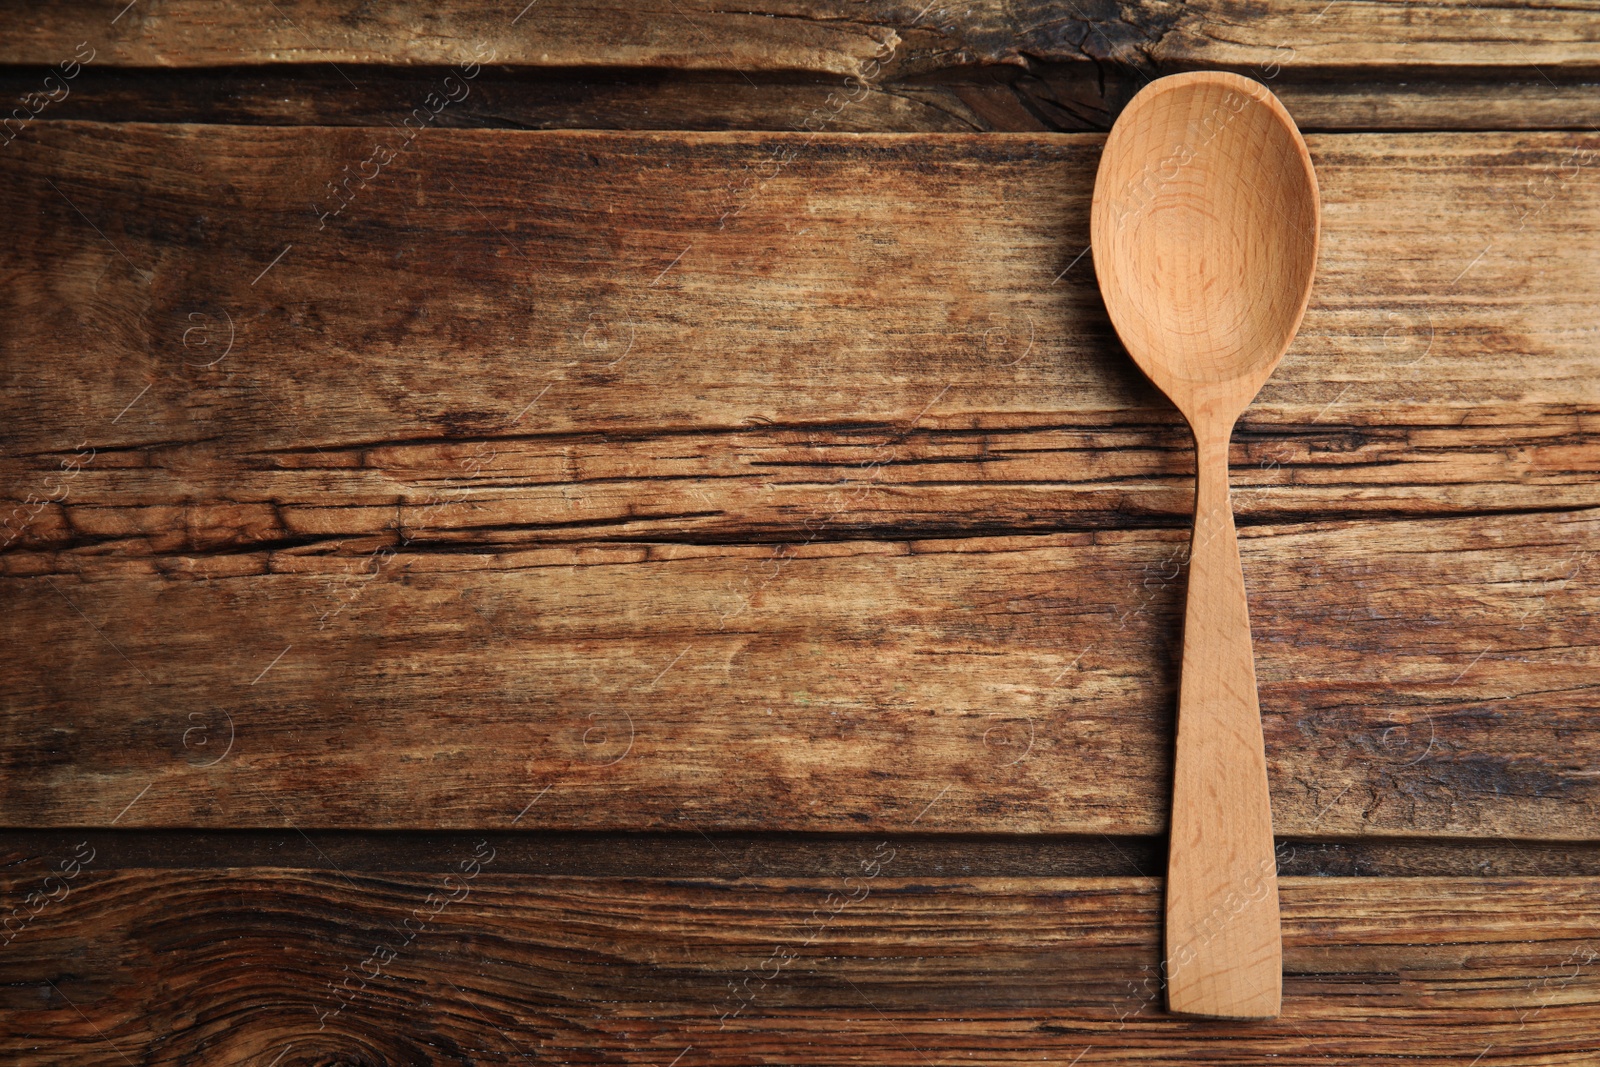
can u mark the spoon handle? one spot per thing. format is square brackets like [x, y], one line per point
[1224, 953]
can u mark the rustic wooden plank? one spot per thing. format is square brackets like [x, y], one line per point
[803, 35]
[515, 98]
[634, 854]
[791, 484]
[1409, 859]
[637, 854]
[1413, 676]
[1001, 98]
[382, 363]
[461, 964]
[1066, 97]
[787, 484]
[665, 339]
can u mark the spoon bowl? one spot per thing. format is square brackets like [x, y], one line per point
[1205, 225]
[1205, 228]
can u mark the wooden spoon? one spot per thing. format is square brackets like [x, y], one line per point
[1205, 228]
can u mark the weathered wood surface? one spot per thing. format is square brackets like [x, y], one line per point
[1432, 677]
[688, 854]
[801, 65]
[807, 36]
[779, 416]
[998, 98]
[812, 467]
[711, 351]
[464, 965]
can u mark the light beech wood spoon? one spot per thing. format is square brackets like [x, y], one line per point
[1205, 228]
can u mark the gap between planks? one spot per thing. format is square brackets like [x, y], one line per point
[792, 855]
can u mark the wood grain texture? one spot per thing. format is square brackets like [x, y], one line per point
[687, 854]
[1022, 684]
[1000, 98]
[716, 353]
[804, 35]
[812, 466]
[787, 467]
[242, 966]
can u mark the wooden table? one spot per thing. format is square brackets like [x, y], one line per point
[621, 532]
